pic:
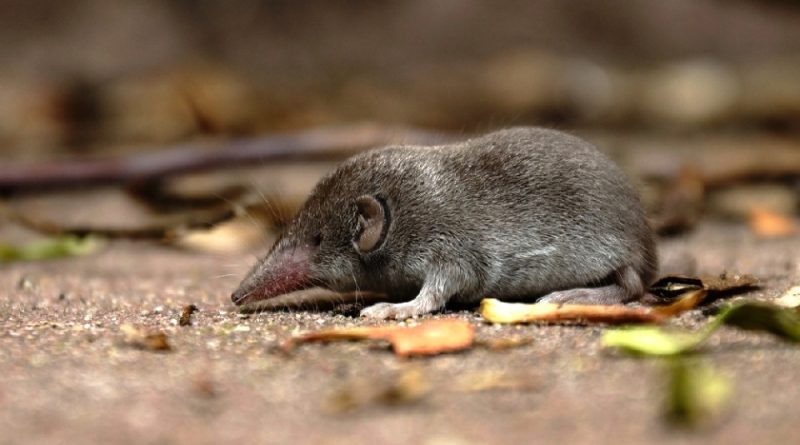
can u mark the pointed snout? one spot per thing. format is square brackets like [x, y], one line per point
[238, 296]
[282, 272]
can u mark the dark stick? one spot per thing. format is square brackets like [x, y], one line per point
[316, 144]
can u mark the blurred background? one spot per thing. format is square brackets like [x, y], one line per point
[694, 98]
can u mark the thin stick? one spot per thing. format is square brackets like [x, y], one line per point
[316, 144]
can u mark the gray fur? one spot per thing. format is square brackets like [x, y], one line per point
[516, 214]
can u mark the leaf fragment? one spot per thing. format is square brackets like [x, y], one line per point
[685, 302]
[696, 393]
[146, 340]
[758, 316]
[496, 311]
[651, 341]
[672, 286]
[427, 338]
[57, 247]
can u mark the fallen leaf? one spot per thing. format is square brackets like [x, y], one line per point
[672, 286]
[49, 248]
[496, 311]
[689, 300]
[140, 339]
[186, 315]
[768, 224]
[757, 316]
[726, 283]
[427, 338]
[696, 392]
[729, 283]
[652, 341]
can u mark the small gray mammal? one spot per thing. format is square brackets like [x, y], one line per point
[522, 214]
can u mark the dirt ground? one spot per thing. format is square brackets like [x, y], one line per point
[68, 375]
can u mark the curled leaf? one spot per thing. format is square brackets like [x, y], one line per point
[757, 316]
[687, 301]
[672, 286]
[496, 311]
[427, 338]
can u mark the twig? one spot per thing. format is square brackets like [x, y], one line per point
[316, 144]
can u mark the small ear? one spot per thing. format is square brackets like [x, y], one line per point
[372, 220]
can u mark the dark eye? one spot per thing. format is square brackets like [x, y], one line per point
[316, 240]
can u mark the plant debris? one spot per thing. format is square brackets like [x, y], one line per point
[141, 339]
[696, 394]
[408, 387]
[186, 315]
[769, 224]
[756, 316]
[61, 246]
[496, 311]
[724, 284]
[427, 338]
[689, 300]
[651, 341]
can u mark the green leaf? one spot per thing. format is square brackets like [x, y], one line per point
[652, 341]
[696, 392]
[757, 316]
[48, 248]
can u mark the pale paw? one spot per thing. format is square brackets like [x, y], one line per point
[399, 311]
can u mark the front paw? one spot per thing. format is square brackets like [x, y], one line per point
[385, 311]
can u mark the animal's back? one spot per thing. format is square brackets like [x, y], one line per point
[546, 211]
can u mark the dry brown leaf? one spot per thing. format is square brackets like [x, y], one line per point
[150, 341]
[768, 224]
[687, 301]
[672, 286]
[427, 338]
[496, 311]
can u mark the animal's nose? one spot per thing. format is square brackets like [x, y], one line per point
[238, 296]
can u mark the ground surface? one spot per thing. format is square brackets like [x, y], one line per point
[69, 377]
